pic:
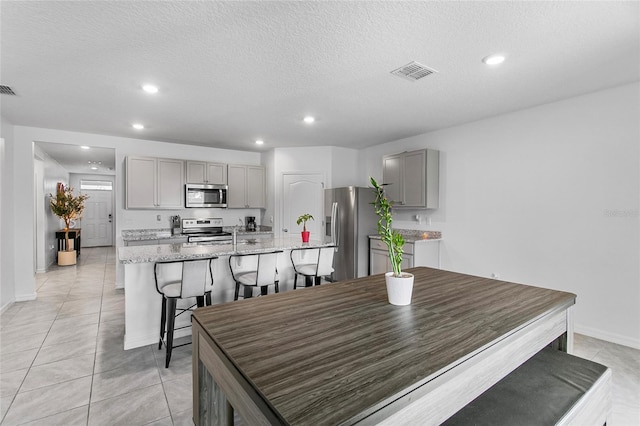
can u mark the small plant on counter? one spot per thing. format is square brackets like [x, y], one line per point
[393, 239]
[303, 220]
[67, 207]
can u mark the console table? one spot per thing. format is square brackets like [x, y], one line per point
[341, 354]
[74, 234]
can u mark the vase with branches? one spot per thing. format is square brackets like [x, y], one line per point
[67, 207]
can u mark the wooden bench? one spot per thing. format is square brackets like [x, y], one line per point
[551, 388]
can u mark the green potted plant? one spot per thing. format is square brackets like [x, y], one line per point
[399, 284]
[303, 220]
[67, 207]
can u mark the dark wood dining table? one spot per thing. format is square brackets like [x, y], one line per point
[339, 353]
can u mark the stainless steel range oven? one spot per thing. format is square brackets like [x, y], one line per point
[205, 231]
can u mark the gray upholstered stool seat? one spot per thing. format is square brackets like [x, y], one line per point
[551, 388]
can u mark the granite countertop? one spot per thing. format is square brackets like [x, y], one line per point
[168, 252]
[415, 235]
[147, 234]
[165, 233]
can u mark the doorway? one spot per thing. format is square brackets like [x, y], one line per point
[97, 219]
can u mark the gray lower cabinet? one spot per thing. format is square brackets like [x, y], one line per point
[420, 253]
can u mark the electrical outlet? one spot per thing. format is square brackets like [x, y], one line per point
[159, 218]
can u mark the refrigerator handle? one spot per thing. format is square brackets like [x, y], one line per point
[337, 226]
[334, 224]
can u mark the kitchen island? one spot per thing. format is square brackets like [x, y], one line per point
[142, 301]
[341, 354]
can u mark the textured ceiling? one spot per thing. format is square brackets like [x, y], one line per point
[232, 72]
[78, 160]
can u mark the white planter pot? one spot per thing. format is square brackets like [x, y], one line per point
[66, 258]
[399, 289]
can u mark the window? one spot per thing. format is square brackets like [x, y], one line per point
[96, 185]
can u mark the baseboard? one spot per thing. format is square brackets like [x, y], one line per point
[26, 297]
[609, 337]
[6, 306]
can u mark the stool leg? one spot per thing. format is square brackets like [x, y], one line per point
[200, 301]
[248, 292]
[170, 325]
[264, 290]
[235, 297]
[295, 281]
[318, 279]
[277, 283]
[208, 298]
[163, 320]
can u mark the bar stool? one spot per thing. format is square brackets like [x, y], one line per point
[181, 279]
[254, 270]
[312, 263]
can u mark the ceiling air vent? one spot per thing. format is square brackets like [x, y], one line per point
[413, 71]
[6, 90]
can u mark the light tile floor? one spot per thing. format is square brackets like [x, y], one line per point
[62, 362]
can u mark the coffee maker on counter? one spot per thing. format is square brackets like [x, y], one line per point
[176, 225]
[250, 223]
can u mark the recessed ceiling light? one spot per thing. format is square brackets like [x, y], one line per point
[259, 142]
[309, 119]
[85, 147]
[150, 88]
[137, 126]
[493, 59]
[94, 168]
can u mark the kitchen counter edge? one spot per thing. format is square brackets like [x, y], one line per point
[187, 251]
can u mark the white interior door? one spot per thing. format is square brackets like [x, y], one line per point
[97, 219]
[303, 193]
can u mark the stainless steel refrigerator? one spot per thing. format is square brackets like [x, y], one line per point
[349, 220]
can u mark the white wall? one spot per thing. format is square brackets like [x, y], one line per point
[547, 196]
[346, 167]
[49, 223]
[7, 291]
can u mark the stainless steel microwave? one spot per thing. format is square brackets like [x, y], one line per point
[205, 196]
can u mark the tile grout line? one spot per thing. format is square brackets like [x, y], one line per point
[95, 352]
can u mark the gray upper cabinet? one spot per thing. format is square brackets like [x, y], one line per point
[206, 173]
[412, 178]
[154, 183]
[247, 186]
